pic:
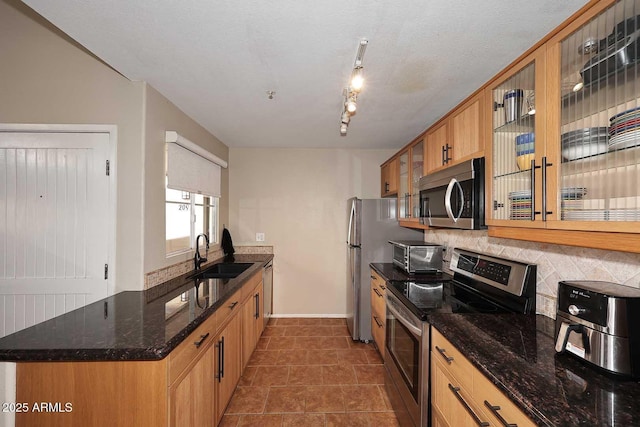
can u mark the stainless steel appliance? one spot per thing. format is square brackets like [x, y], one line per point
[267, 283]
[371, 223]
[415, 256]
[598, 323]
[481, 284]
[454, 197]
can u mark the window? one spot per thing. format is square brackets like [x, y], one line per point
[187, 215]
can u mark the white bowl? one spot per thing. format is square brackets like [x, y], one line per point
[579, 151]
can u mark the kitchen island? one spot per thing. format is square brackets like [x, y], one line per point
[168, 356]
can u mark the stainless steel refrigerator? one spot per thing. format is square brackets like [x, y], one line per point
[372, 223]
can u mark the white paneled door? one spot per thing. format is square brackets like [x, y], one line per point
[54, 224]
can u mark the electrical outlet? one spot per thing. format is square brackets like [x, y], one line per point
[259, 237]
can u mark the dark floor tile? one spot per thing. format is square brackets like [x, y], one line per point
[263, 357]
[348, 419]
[338, 374]
[305, 375]
[369, 374]
[248, 400]
[303, 420]
[324, 399]
[285, 399]
[292, 357]
[363, 398]
[267, 376]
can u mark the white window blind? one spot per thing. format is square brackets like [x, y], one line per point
[187, 171]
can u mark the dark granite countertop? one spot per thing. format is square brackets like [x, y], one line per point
[130, 325]
[516, 352]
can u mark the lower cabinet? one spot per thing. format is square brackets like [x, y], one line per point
[191, 387]
[378, 311]
[462, 396]
[228, 363]
[252, 323]
[191, 400]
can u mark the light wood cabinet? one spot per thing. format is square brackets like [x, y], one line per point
[577, 121]
[191, 398]
[462, 396]
[389, 178]
[228, 363]
[252, 323]
[404, 185]
[378, 311]
[437, 139]
[457, 137]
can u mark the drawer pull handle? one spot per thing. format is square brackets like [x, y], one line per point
[202, 338]
[233, 305]
[494, 410]
[377, 292]
[456, 392]
[373, 277]
[444, 354]
[380, 325]
[382, 287]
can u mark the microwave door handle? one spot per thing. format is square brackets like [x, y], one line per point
[447, 199]
[461, 194]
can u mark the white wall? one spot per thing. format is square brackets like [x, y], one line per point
[297, 197]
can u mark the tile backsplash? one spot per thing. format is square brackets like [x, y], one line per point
[157, 277]
[555, 262]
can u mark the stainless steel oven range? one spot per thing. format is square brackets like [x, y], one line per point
[481, 284]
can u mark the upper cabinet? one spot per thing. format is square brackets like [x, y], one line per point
[517, 146]
[389, 178]
[404, 185]
[565, 151]
[457, 137]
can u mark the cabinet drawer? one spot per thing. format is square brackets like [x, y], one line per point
[230, 306]
[378, 330]
[453, 361]
[249, 287]
[378, 303]
[197, 342]
[451, 400]
[377, 280]
[487, 394]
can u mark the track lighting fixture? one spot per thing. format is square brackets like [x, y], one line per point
[350, 93]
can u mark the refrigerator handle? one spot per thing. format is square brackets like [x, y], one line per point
[351, 224]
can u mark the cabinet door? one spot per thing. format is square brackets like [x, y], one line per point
[596, 135]
[404, 186]
[389, 178]
[248, 330]
[437, 143]
[466, 129]
[228, 363]
[452, 403]
[191, 398]
[417, 172]
[517, 143]
[259, 301]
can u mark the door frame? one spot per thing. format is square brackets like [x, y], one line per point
[112, 130]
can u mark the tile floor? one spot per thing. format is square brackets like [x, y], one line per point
[308, 372]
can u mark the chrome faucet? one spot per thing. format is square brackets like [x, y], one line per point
[197, 258]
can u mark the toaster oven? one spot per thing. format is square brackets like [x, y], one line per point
[414, 256]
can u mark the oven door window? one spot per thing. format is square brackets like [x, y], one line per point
[404, 348]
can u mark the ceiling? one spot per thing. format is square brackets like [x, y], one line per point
[216, 59]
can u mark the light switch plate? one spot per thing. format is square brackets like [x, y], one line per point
[259, 237]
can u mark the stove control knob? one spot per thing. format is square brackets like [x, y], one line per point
[575, 310]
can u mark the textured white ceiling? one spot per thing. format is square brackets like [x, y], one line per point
[216, 59]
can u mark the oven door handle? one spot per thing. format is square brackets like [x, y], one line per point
[403, 320]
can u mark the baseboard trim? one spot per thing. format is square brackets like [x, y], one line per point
[331, 316]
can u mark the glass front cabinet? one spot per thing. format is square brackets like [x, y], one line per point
[565, 133]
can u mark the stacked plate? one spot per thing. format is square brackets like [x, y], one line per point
[520, 202]
[603, 215]
[586, 142]
[624, 130]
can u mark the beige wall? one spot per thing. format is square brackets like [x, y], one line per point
[297, 197]
[47, 78]
[161, 115]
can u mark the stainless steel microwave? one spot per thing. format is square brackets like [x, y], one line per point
[454, 197]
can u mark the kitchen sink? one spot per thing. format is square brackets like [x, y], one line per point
[223, 270]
